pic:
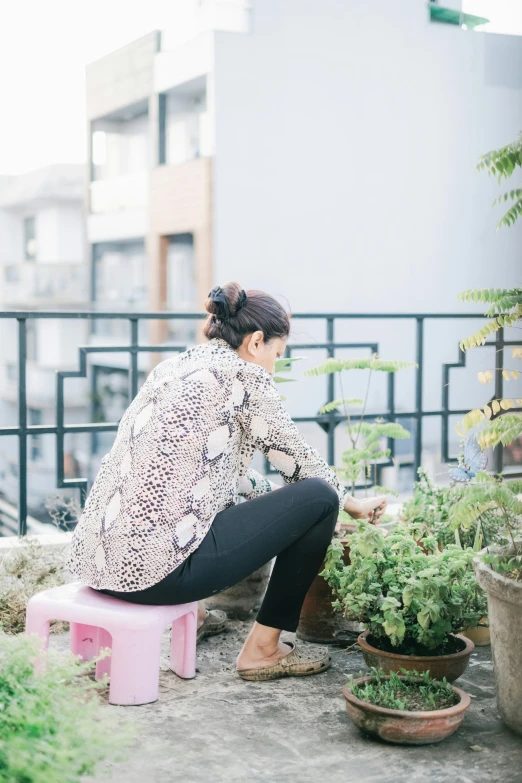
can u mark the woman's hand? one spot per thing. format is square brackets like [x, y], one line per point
[369, 508]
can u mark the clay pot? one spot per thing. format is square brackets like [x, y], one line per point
[505, 613]
[449, 666]
[480, 635]
[318, 622]
[241, 600]
[402, 727]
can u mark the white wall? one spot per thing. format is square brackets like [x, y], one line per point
[346, 140]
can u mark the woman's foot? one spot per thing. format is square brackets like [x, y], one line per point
[258, 657]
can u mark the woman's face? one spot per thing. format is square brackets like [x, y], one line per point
[254, 349]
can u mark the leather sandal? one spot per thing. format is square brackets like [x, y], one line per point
[215, 622]
[299, 662]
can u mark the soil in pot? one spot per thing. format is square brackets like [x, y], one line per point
[318, 622]
[416, 724]
[451, 662]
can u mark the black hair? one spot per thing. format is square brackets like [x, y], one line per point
[234, 313]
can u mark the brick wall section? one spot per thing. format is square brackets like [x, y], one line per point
[180, 201]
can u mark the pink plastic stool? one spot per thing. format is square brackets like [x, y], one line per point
[132, 631]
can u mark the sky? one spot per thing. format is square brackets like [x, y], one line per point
[45, 46]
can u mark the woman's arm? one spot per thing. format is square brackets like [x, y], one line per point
[268, 424]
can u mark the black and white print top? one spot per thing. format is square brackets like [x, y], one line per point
[181, 454]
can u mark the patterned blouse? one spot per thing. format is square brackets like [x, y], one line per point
[181, 455]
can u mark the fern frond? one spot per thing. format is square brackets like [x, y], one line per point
[374, 363]
[388, 429]
[509, 195]
[354, 402]
[505, 430]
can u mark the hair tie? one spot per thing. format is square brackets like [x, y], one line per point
[218, 296]
[241, 301]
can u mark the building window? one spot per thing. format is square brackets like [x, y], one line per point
[35, 444]
[29, 239]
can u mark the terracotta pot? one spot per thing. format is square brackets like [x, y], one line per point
[244, 598]
[318, 622]
[449, 666]
[480, 635]
[402, 727]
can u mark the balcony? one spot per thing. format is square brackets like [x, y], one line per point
[128, 192]
[36, 284]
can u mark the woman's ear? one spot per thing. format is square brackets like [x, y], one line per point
[256, 341]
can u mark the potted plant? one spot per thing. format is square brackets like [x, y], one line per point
[414, 602]
[429, 513]
[499, 572]
[414, 709]
[319, 623]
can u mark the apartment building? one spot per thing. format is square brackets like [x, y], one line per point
[42, 267]
[324, 151]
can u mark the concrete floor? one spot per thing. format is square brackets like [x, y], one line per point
[218, 728]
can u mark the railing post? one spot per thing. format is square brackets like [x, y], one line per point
[499, 393]
[330, 391]
[22, 427]
[417, 457]
[133, 377]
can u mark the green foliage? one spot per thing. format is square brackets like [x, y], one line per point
[505, 311]
[409, 598]
[285, 365]
[366, 437]
[491, 498]
[410, 691]
[374, 363]
[428, 516]
[502, 163]
[352, 402]
[52, 727]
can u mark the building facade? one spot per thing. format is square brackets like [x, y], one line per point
[42, 267]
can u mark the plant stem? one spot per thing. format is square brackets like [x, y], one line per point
[364, 406]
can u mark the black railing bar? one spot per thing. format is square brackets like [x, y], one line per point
[98, 314]
[22, 426]
[47, 429]
[419, 378]
[304, 346]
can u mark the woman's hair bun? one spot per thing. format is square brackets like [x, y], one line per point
[225, 302]
[234, 314]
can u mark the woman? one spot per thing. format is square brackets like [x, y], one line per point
[162, 525]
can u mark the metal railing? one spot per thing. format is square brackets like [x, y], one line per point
[327, 421]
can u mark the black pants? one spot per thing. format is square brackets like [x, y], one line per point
[294, 524]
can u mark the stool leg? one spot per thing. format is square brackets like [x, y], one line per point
[37, 624]
[135, 666]
[104, 641]
[84, 641]
[183, 645]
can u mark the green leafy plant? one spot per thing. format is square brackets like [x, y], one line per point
[502, 164]
[410, 597]
[410, 691]
[52, 727]
[362, 459]
[493, 498]
[428, 514]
